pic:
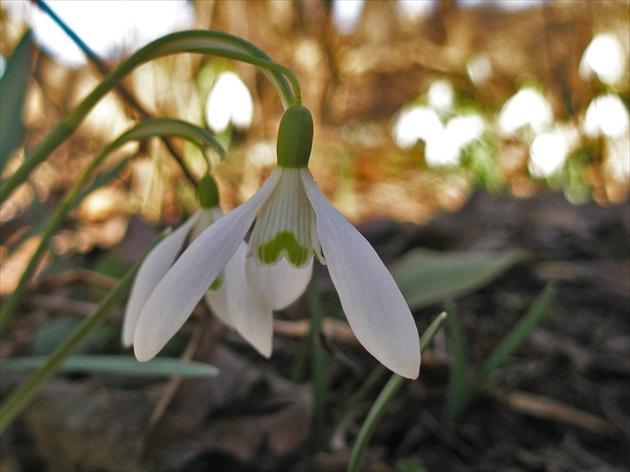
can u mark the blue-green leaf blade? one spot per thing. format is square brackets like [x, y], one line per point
[427, 277]
[13, 86]
[119, 365]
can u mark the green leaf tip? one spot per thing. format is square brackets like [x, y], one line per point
[295, 137]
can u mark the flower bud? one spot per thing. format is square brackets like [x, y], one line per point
[295, 137]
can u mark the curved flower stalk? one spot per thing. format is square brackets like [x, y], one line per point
[296, 223]
[230, 297]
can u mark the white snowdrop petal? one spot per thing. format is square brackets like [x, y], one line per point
[251, 315]
[155, 265]
[280, 284]
[187, 281]
[371, 300]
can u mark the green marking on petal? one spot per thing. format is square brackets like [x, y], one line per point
[216, 285]
[270, 253]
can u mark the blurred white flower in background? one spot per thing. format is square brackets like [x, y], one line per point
[479, 69]
[413, 9]
[606, 115]
[528, 107]
[346, 15]
[441, 96]
[413, 124]
[511, 5]
[229, 101]
[549, 151]
[603, 58]
[445, 146]
[3, 65]
[108, 28]
[617, 162]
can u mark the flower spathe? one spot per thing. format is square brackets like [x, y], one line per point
[295, 224]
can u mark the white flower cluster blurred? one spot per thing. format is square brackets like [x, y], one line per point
[445, 136]
[527, 118]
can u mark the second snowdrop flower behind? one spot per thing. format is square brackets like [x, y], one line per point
[296, 223]
[229, 296]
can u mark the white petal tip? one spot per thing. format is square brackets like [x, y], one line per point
[143, 354]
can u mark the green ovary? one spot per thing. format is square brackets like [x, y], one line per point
[270, 253]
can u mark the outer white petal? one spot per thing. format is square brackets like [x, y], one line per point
[242, 308]
[153, 268]
[371, 300]
[187, 281]
[280, 284]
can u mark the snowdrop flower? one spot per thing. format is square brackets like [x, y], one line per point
[229, 102]
[444, 147]
[441, 96]
[479, 69]
[229, 295]
[413, 9]
[548, 154]
[526, 107]
[606, 115]
[604, 58]
[296, 223]
[413, 124]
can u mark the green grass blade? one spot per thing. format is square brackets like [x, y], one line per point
[459, 363]
[387, 394]
[512, 341]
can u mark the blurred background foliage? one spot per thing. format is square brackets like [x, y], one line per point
[417, 105]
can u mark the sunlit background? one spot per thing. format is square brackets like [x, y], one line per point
[418, 104]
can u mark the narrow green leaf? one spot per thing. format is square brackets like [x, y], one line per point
[119, 365]
[13, 87]
[510, 343]
[459, 363]
[385, 397]
[427, 277]
[518, 334]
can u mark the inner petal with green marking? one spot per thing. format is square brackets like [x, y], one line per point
[285, 226]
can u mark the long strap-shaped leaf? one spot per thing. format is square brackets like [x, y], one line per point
[202, 42]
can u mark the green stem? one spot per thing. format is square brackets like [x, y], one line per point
[22, 396]
[203, 42]
[318, 366]
[382, 401]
